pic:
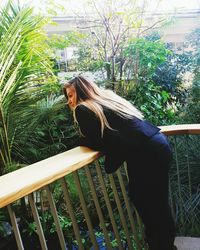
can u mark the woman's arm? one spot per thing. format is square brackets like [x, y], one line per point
[90, 127]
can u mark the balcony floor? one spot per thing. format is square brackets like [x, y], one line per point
[187, 243]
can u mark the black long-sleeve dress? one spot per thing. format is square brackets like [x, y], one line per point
[148, 157]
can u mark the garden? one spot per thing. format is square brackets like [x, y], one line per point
[35, 122]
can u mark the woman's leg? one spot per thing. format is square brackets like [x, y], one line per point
[148, 183]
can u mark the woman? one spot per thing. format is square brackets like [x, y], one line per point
[114, 126]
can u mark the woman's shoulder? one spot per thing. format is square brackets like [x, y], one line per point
[81, 108]
[82, 111]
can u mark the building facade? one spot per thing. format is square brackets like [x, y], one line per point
[174, 33]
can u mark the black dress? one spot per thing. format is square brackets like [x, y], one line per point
[148, 157]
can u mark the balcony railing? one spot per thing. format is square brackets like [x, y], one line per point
[88, 208]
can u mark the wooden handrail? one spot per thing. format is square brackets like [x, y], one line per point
[26, 180]
[181, 129]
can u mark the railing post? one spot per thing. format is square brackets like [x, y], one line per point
[15, 228]
[179, 180]
[38, 223]
[85, 211]
[121, 215]
[56, 219]
[130, 213]
[188, 167]
[114, 225]
[98, 208]
[139, 222]
[71, 213]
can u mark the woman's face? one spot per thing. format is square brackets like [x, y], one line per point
[72, 99]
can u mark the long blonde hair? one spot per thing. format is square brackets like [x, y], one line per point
[95, 98]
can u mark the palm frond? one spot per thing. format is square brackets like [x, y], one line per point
[24, 68]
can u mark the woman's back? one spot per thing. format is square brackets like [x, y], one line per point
[125, 132]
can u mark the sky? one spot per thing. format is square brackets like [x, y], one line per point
[164, 5]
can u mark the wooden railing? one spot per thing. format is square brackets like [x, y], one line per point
[102, 210]
[31, 178]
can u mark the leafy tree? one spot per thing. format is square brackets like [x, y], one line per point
[25, 73]
[152, 101]
[144, 57]
[109, 30]
[87, 59]
[53, 131]
[191, 111]
[170, 73]
[61, 42]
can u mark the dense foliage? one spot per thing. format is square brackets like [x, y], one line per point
[27, 105]
[191, 110]
[35, 123]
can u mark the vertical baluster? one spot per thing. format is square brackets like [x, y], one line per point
[55, 216]
[122, 218]
[71, 213]
[85, 211]
[15, 228]
[139, 222]
[98, 208]
[126, 171]
[38, 223]
[130, 215]
[178, 179]
[172, 204]
[188, 167]
[107, 200]
[171, 200]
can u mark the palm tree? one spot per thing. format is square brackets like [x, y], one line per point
[25, 70]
